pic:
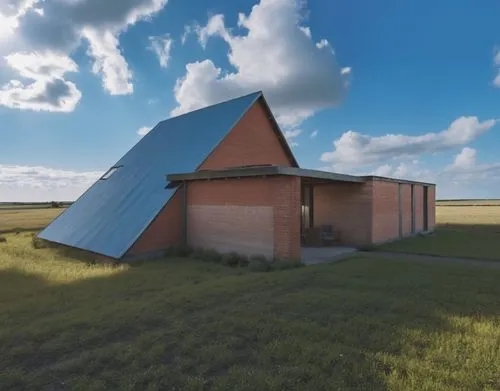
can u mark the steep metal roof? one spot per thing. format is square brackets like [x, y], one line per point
[110, 216]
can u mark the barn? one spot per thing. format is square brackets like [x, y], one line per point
[223, 177]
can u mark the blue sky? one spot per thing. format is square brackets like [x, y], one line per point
[395, 88]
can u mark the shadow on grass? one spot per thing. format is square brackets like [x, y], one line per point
[186, 325]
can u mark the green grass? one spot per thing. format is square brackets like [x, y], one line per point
[450, 243]
[462, 231]
[363, 324]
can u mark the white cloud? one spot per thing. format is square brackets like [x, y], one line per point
[108, 62]
[60, 26]
[465, 160]
[48, 91]
[144, 130]
[291, 136]
[277, 55]
[384, 170]
[464, 178]
[466, 167]
[161, 46]
[354, 149]
[35, 65]
[314, 134]
[38, 183]
[188, 30]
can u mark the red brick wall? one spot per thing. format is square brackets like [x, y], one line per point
[431, 202]
[385, 220]
[252, 141]
[406, 208]
[347, 206]
[419, 208]
[280, 193]
[164, 231]
[287, 217]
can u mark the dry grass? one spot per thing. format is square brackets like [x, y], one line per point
[469, 217]
[492, 202]
[20, 219]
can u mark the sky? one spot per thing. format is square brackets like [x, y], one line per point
[393, 88]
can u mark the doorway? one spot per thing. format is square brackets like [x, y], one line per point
[306, 210]
[425, 208]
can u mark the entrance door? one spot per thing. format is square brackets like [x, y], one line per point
[306, 213]
[412, 197]
[425, 208]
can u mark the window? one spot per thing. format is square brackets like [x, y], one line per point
[110, 172]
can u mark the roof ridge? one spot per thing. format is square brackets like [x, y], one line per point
[257, 93]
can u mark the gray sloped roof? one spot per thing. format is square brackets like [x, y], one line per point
[111, 215]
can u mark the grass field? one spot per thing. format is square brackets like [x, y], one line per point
[462, 231]
[491, 202]
[25, 219]
[364, 324]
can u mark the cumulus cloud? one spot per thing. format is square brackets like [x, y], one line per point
[277, 55]
[355, 149]
[48, 91]
[60, 27]
[108, 61]
[465, 160]
[38, 183]
[144, 130]
[161, 46]
[465, 166]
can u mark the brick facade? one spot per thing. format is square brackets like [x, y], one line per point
[419, 207]
[287, 217]
[406, 208]
[431, 202]
[164, 231]
[265, 212]
[346, 206]
[251, 142]
[237, 198]
[385, 211]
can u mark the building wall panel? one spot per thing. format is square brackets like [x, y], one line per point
[431, 207]
[406, 208]
[385, 218]
[347, 207]
[252, 141]
[419, 208]
[243, 208]
[164, 231]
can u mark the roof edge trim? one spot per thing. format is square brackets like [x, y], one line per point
[261, 171]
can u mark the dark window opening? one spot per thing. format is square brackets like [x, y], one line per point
[412, 198]
[426, 208]
[110, 172]
[306, 212]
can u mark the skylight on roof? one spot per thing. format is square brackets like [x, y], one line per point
[110, 172]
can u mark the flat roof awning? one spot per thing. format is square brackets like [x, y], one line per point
[256, 171]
